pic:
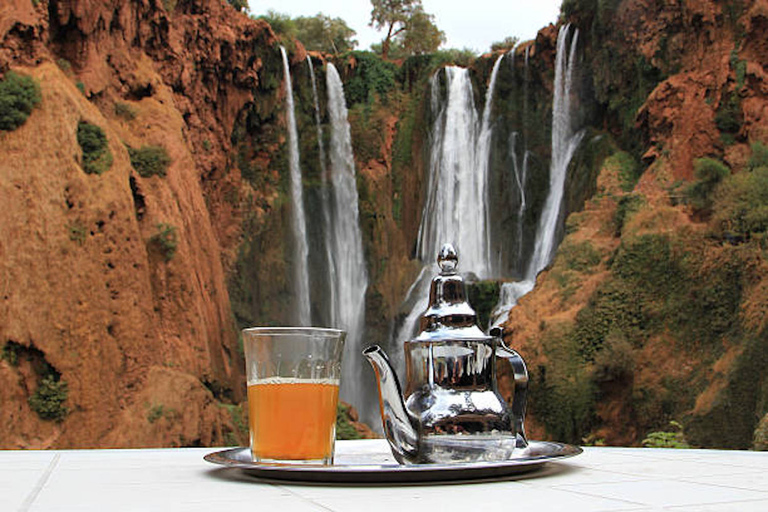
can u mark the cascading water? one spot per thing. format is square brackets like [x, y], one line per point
[332, 314]
[299, 225]
[346, 248]
[564, 144]
[456, 208]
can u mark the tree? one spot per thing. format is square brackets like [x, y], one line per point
[392, 16]
[421, 35]
[506, 44]
[239, 5]
[325, 34]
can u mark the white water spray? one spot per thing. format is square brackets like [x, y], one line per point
[564, 144]
[346, 244]
[299, 225]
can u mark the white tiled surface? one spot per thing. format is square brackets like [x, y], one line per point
[600, 479]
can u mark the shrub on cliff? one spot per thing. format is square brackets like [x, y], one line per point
[97, 157]
[372, 75]
[48, 400]
[709, 173]
[19, 94]
[165, 240]
[150, 160]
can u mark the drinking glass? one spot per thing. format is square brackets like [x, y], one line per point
[293, 388]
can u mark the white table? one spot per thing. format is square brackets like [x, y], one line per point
[600, 479]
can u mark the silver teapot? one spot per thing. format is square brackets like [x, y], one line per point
[451, 410]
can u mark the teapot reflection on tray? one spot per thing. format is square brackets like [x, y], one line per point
[451, 410]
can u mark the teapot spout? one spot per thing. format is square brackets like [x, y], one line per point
[398, 427]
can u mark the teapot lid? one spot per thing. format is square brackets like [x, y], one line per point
[449, 316]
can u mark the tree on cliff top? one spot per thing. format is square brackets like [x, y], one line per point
[319, 32]
[407, 24]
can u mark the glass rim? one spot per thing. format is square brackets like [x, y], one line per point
[293, 331]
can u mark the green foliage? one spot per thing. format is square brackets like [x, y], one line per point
[48, 399]
[207, 145]
[155, 413]
[579, 256]
[19, 95]
[77, 232]
[760, 437]
[97, 158]
[80, 87]
[741, 204]
[10, 353]
[372, 76]
[669, 439]
[125, 111]
[628, 204]
[728, 118]
[759, 156]
[166, 240]
[238, 419]
[629, 169]
[392, 16]
[324, 34]
[421, 36]
[483, 297]
[562, 396]
[464, 57]
[64, 65]
[344, 428]
[239, 5]
[709, 173]
[150, 160]
[506, 44]
[281, 23]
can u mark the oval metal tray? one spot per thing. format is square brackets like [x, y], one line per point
[371, 461]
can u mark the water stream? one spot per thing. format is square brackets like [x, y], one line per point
[346, 249]
[298, 220]
[565, 140]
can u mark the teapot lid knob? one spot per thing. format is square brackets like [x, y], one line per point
[447, 259]
[449, 315]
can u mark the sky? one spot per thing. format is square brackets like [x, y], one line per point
[474, 24]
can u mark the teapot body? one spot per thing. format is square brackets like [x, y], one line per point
[454, 404]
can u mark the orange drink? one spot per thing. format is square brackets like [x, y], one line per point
[292, 419]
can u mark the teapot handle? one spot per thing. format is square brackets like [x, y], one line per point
[520, 397]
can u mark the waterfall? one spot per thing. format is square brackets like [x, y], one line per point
[456, 208]
[346, 247]
[483, 158]
[564, 144]
[299, 225]
[325, 198]
[520, 171]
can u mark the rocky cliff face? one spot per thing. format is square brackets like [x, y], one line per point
[138, 330]
[649, 312]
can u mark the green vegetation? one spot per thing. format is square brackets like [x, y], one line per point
[579, 256]
[165, 240]
[506, 44]
[19, 95]
[319, 33]
[77, 232]
[373, 76]
[483, 296]
[10, 353]
[239, 5]
[239, 422]
[155, 413]
[125, 111]
[409, 29]
[97, 158]
[48, 399]
[669, 439]
[627, 205]
[344, 427]
[708, 174]
[150, 160]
